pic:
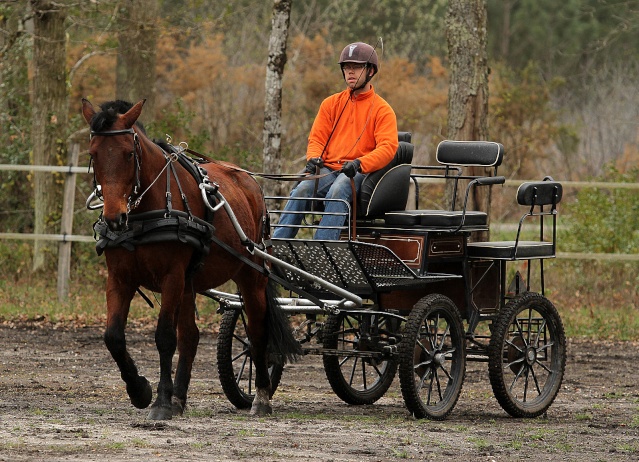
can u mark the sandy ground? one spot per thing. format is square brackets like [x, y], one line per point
[62, 399]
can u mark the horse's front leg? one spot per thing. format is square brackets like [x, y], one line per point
[119, 296]
[188, 337]
[166, 343]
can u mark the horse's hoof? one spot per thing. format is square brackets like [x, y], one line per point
[261, 409]
[140, 392]
[178, 405]
[160, 413]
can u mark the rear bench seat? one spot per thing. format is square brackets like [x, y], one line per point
[534, 194]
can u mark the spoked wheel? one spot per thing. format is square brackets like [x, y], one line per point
[357, 366]
[432, 358]
[527, 355]
[234, 363]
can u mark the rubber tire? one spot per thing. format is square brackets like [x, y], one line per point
[335, 366]
[431, 308]
[234, 358]
[504, 349]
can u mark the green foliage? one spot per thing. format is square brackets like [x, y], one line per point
[177, 123]
[604, 220]
[522, 118]
[15, 129]
[562, 37]
[412, 29]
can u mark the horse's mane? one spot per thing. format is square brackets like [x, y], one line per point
[105, 119]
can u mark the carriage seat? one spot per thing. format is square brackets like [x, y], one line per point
[454, 156]
[535, 195]
[387, 189]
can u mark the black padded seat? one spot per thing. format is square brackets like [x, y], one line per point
[505, 250]
[436, 218]
[533, 194]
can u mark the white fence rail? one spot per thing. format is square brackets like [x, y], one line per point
[65, 238]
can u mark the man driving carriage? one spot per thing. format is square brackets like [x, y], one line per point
[354, 133]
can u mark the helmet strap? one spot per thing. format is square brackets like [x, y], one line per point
[368, 78]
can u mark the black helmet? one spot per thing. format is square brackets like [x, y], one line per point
[359, 52]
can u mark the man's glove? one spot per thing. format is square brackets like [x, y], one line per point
[313, 163]
[351, 168]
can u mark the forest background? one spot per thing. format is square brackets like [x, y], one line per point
[563, 101]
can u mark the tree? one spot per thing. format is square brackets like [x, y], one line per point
[49, 114]
[272, 135]
[15, 117]
[468, 91]
[135, 67]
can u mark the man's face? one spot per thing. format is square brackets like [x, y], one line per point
[354, 74]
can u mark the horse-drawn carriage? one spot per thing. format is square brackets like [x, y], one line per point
[417, 294]
[404, 291]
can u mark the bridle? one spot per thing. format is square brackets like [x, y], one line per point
[134, 199]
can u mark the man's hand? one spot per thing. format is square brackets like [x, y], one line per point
[351, 168]
[313, 163]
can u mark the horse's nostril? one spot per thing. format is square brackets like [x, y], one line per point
[117, 224]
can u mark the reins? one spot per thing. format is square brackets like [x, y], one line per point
[267, 176]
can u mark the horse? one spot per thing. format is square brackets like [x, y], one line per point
[136, 179]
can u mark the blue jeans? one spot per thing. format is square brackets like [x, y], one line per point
[333, 186]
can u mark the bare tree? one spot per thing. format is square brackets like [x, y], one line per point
[272, 135]
[137, 50]
[49, 114]
[468, 91]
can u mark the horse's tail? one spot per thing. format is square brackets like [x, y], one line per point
[280, 335]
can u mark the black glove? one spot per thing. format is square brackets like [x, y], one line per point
[351, 168]
[313, 163]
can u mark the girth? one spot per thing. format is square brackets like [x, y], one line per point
[155, 226]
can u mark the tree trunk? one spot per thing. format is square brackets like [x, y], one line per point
[137, 51]
[272, 134]
[49, 117]
[468, 91]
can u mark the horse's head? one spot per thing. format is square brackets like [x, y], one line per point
[115, 152]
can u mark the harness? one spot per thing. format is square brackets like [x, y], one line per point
[166, 225]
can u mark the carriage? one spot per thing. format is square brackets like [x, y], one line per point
[406, 290]
[412, 292]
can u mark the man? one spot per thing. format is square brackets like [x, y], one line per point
[354, 133]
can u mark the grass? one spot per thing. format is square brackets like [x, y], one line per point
[596, 300]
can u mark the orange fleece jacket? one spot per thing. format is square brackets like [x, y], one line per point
[367, 130]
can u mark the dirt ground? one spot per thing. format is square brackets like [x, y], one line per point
[61, 398]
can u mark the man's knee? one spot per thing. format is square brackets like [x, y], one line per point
[303, 189]
[341, 189]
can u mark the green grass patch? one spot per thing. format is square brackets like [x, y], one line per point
[596, 299]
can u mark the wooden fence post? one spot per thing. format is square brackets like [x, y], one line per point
[66, 225]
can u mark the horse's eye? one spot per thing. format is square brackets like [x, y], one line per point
[130, 155]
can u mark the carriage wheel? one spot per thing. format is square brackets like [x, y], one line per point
[356, 376]
[527, 355]
[432, 358]
[234, 363]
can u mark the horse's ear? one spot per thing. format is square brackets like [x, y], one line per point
[87, 110]
[132, 114]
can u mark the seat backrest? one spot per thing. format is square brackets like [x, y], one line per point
[387, 189]
[470, 153]
[539, 193]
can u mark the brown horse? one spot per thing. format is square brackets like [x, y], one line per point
[136, 178]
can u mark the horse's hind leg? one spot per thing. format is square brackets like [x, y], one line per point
[255, 304]
[119, 298]
[188, 339]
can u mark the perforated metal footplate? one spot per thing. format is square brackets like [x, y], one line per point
[358, 267]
